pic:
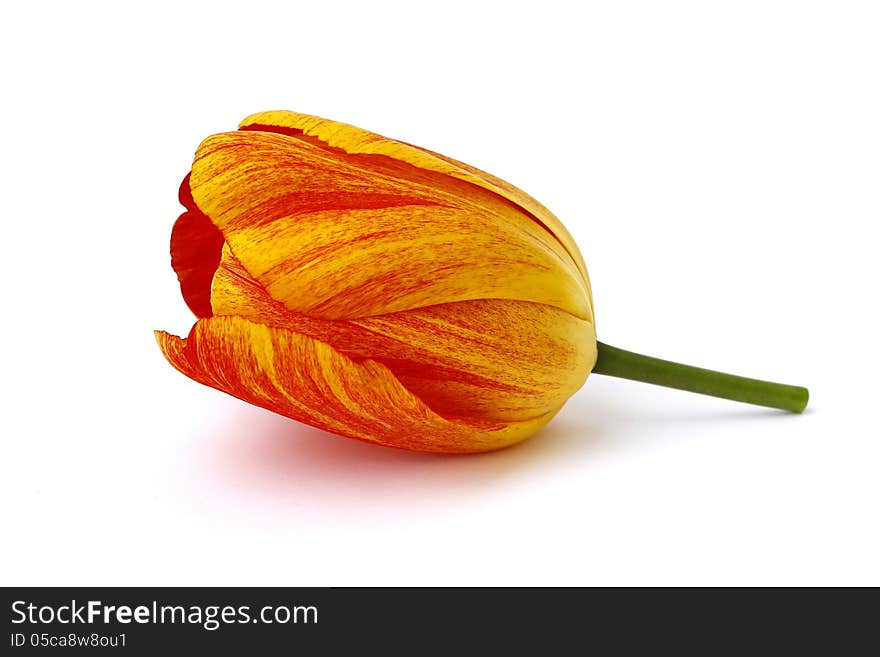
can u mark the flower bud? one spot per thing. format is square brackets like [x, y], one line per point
[375, 289]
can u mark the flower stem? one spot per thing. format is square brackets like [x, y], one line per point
[636, 367]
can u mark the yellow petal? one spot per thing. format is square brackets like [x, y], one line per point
[310, 381]
[354, 140]
[491, 359]
[341, 236]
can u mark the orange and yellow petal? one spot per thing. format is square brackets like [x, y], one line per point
[310, 381]
[526, 202]
[488, 358]
[195, 253]
[341, 236]
[357, 141]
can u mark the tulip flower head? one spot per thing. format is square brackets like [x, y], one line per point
[378, 290]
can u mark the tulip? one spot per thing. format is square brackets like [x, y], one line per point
[387, 293]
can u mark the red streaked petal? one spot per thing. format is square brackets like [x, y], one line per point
[492, 359]
[310, 381]
[341, 237]
[357, 141]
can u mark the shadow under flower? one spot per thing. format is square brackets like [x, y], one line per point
[259, 453]
[268, 455]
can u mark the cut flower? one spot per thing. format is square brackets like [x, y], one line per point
[375, 289]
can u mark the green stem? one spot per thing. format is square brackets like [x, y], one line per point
[636, 367]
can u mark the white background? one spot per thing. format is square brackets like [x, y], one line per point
[717, 162]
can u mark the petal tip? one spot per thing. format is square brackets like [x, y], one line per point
[172, 346]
